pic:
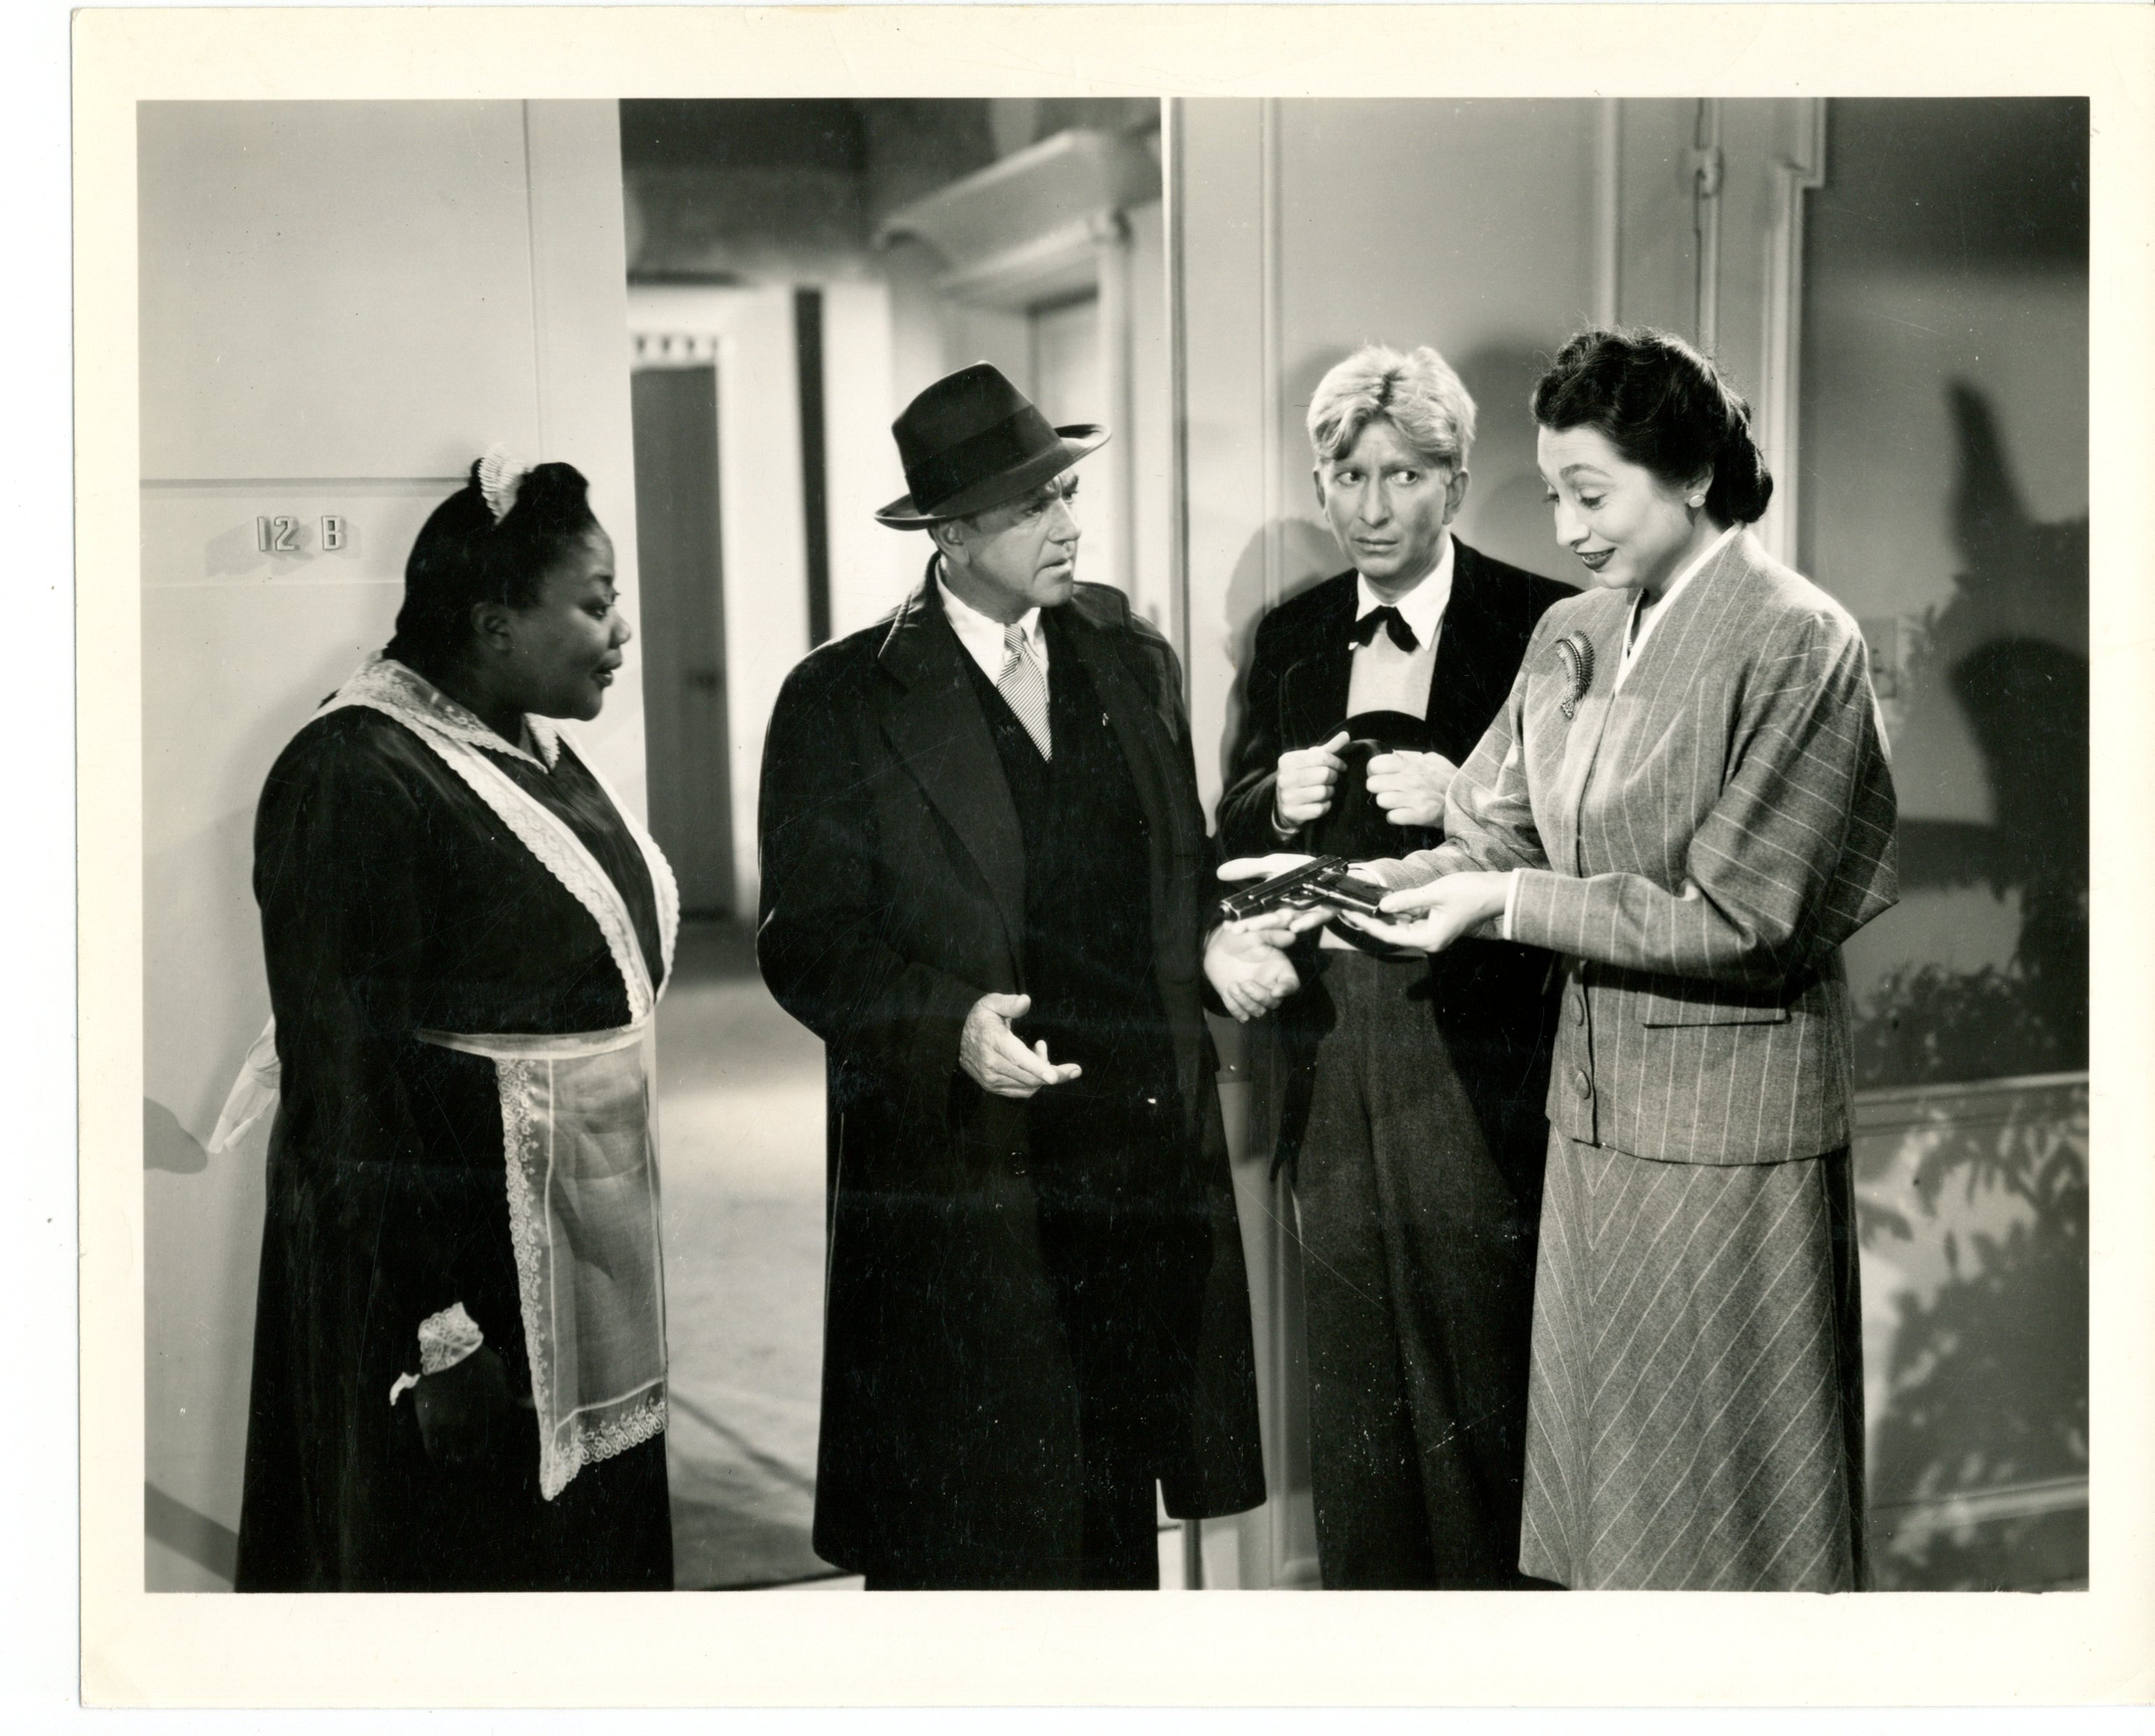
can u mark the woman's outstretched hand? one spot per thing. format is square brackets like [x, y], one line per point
[463, 1410]
[1429, 918]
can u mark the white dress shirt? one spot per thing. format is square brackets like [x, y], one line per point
[982, 635]
[1385, 678]
[1382, 677]
[1642, 624]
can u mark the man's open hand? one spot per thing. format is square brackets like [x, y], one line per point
[1246, 962]
[994, 1058]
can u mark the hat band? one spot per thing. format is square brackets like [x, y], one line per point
[1001, 445]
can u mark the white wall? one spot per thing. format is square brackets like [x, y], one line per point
[872, 567]
[1151, 468]
[342, 304]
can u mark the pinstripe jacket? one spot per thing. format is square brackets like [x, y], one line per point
[1696, 848]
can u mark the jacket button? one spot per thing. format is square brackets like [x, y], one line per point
[1582, 1084]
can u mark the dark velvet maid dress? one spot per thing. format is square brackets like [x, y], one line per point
[464, 942]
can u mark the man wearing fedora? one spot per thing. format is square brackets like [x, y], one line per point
[986, 880]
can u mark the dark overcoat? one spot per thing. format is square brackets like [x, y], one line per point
[892, 899]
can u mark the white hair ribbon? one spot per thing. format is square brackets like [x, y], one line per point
[499, 476]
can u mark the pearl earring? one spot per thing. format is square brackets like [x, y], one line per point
[1698, 501]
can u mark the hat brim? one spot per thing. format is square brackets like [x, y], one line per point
[1072, 442]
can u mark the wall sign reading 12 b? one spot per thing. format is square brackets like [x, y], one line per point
[281, 534]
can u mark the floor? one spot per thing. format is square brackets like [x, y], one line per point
[740, 1126]
[740, 1122]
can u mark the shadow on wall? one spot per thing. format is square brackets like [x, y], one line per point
[1507, 501]
[1976, 1199]
[1994, 652]
[194, 1537]
[1307, 554]
[167, 1145]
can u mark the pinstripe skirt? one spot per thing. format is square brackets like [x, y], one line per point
[1695, 1404]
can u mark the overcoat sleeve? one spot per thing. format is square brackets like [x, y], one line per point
[825, 909]
[1246, 805]
[345, 936]
[1163, 674]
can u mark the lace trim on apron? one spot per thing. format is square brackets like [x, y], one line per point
[598, 1372]
[574, 1114]
[401, 692]
[464, 744]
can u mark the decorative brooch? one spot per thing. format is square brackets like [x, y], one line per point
[1574, 651]
[500, 477]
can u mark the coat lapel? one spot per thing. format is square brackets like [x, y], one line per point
[1139, 731]
[1464, 687]
[1314, 690]
[1676, 646]
[936, 728]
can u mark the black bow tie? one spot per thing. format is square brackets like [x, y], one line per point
[1365, 630]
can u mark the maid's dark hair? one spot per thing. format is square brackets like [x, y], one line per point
[1665, 407]
[462, 557]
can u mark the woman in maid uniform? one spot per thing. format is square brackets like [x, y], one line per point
[459, 1376]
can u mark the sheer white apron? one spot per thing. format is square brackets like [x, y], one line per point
[583, 1218]
[580, 1164]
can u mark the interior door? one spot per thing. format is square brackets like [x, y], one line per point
[684, 643]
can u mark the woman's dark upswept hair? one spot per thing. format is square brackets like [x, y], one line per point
[1663, 407]
[462, 558]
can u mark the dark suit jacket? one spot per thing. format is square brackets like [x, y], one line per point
[1296, 697]
[892, 899]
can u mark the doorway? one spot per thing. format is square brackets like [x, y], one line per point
[676, 418]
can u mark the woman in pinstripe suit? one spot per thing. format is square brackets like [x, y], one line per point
[1687, 799]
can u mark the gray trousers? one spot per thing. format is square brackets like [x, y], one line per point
[1418, 1190]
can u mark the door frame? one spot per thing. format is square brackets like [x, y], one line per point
[748, 333]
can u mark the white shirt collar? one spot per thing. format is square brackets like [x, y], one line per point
[982, 635]
[1636, 643]
[1697, 560]
[1421, 608]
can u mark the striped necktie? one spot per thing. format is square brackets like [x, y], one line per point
[1023, 685]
